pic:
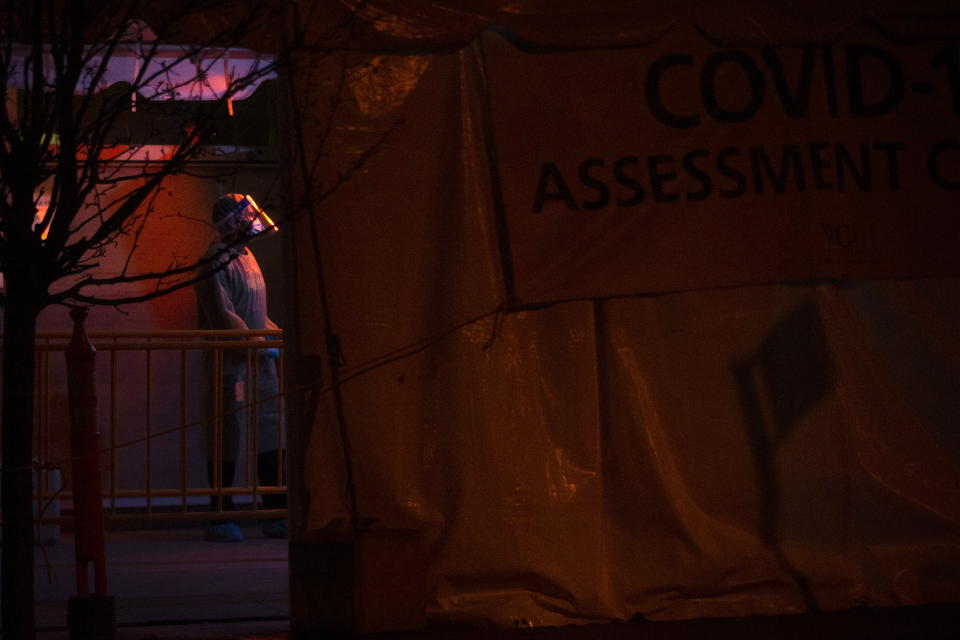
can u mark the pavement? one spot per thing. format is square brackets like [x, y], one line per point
[172, 584]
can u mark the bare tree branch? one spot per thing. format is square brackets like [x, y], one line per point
[78, 186]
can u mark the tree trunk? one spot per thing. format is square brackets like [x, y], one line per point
[20, 317]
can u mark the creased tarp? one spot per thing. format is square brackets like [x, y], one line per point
[421, 25]
[433, 25]
[407, 241]
[731, 452]
[409, 235]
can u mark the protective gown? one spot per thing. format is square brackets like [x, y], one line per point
[235, 297]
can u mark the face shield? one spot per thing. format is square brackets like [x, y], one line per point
[244, 219]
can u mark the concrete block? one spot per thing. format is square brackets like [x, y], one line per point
[357, 582]
[92, 617]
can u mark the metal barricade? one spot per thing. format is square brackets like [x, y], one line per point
[160, 400]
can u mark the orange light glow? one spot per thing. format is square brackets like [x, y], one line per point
[226, 78]
[266, 218]
[42, 205]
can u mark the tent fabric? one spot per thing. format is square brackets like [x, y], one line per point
[425, 25]
[730, 451]
[428, 26]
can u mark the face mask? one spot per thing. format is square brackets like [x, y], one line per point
[246, 220]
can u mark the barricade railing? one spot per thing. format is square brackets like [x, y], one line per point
[161, 409]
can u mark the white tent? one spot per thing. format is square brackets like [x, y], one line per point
[642, 310]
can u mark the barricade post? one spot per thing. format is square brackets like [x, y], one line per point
[90, 615]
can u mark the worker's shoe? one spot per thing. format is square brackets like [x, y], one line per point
[275, 528]
[223, 531]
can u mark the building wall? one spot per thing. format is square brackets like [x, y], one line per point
[179, 227]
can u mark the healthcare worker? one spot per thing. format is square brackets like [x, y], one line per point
[235, 297]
